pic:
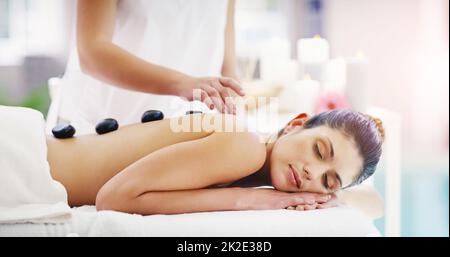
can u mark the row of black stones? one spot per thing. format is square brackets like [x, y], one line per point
[65, 131]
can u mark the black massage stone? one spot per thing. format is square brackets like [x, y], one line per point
[152, 115]
[63, 131]
[193, 112]
[107, 126]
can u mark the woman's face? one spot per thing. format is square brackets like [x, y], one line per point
[319, 160]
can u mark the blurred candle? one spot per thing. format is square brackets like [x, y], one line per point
[357, 82]
[300, 96]
[336, 76]
[275, 57]
[313, 55]
[313, 50]
[289, 72]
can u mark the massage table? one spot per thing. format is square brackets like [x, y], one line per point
[87, 222]
[338, 221]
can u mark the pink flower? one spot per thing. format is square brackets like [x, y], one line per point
[331, 101]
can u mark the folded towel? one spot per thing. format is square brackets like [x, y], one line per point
[28, 193]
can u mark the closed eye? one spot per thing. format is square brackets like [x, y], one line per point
[317, 151]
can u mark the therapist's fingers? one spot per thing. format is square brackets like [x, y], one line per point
[225, 96]
[207, 100]
[216, 98]
[230, 100]
[233, 84]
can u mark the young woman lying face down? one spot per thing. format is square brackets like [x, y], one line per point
[150, 169]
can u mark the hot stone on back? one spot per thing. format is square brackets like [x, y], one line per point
[107, 126]
[63, 131]
[152, 115]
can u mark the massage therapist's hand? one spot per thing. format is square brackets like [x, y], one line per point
[271, 199]
[214, 92]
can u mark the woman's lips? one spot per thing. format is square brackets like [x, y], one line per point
[294, 176]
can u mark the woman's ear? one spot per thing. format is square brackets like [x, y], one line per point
[297, 121]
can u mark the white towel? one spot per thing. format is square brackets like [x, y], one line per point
[28, 193]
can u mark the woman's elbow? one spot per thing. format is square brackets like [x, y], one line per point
[105, 201]
[86, 60]
[89, 57]
[110, 198]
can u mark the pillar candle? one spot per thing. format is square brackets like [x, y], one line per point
[300, 96]
[313, 50]
[336, 76]
[313, 55]
[274, 58]
[357, 82]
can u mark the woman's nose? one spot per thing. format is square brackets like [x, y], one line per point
[313, 172]
[307, 174]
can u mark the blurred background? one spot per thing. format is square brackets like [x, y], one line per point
[403, 45]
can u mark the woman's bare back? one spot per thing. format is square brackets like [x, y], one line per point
[84, 164]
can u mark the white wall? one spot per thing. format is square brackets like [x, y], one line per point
[406, 42]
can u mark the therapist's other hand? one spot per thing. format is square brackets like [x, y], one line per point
[216, 93]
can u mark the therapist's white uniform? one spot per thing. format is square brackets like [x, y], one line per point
[188, 36]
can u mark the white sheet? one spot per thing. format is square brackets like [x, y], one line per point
[27, 191]
[340, 221]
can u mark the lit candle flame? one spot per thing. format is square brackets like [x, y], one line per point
[360, 54]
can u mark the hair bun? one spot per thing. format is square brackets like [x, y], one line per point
[379, 124]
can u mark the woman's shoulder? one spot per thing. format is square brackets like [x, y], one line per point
[227, 132]
[226, 146]
[248, 147]
[240, 153]
[208, 122]
[234, 127]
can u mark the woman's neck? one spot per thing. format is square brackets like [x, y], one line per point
[262, 176]
[269, 141]
[265, 170]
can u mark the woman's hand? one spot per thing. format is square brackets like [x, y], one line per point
[332, 202]
[216, 93]
[271, 199]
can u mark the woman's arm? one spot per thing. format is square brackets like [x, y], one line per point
[175, 202]
[102, 59]
[229, 68]
[218, 158]
[215, 159]
[173, 179]
[223, 199]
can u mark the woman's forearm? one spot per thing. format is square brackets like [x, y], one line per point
[188, 201]
[102, 59]
[210, 199]
[112, 64]
[229, 66]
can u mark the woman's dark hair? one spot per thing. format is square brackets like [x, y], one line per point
[367, 132]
